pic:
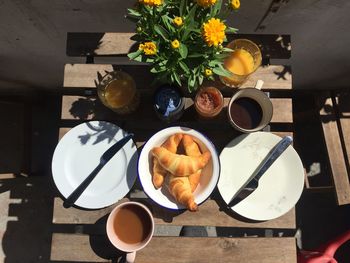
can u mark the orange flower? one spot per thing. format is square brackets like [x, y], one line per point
[235, 4]
[178, 21]
[175, 44]
[206, 3]
[213, 32]
[151, 2]
[149, 48]
[208, 72]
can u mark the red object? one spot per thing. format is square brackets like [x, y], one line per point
[325, 253]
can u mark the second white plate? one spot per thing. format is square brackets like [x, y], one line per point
[279, 188]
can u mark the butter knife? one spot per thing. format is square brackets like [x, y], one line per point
[106, 156]
[253, 182]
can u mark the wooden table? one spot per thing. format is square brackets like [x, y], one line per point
[79, 235]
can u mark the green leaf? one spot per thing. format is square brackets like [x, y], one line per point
[167, 22]
[191, 81]
[231, 30]
[190, 16]
[176, 78]
[226, 49]
[200, 79]
[160, 67]
[162, 32]
[215, 10]
[135, 54]
[183, 50]
[196, 55]
[214, 63]
[145, 59]
[219, 70]
[133, 13]
[184, 67]
[183, 5]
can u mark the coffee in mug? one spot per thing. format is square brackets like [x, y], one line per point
[250, 109]
[130, 227]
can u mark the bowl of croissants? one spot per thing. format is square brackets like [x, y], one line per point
[179, 168]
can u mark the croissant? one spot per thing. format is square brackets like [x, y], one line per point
[180, 165]
[192, 149]
[180, 188]
[159, 172]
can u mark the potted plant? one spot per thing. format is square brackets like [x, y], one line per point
[182, 39]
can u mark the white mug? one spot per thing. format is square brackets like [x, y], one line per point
[116, 240]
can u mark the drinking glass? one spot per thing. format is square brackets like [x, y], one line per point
[244, 61]
[117, 91]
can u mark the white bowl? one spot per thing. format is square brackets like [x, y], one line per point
[209, 177]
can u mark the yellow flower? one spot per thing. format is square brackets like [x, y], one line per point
[208, 72]
[175, 44]
[206, 3]
[178, 21]
[149, 48]
[213, 32]
[151, 2]
[235, 4]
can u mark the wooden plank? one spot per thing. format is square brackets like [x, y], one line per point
[335, 152]
[275, 77]
[198, 250]
[342, 102]
[209, 214]
[64, 130]
[282, 110]
[111, 44]
[90, 108]
[70, 247]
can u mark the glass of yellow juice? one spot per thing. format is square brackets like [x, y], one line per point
[117, 91]
[244, 60]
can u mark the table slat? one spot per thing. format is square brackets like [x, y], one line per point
[70, 247]
[209, 214]
[115, 43]
[335, 152]
[275, 77]
[90, 108]
[342, 101]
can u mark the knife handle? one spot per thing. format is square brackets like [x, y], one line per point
[272, 156]
[81, 188]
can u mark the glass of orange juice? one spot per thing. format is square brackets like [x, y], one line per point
[117, 91]
[244, 60]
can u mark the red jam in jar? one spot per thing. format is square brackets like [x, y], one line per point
[208, 102]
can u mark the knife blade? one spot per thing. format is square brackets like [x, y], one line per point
[253, 181]
[105, 158]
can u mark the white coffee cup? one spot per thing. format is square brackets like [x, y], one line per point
[118, 225]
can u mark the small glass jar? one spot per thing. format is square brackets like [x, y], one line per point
[117, 91]
[168, 104]
[208, 102]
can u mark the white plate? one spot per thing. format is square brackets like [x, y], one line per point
[279, 188]
[79, 152]
[208, 180]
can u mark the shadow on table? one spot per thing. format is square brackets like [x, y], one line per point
[28, 231]
[223, 207]
[101, 245]
[90, 108]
